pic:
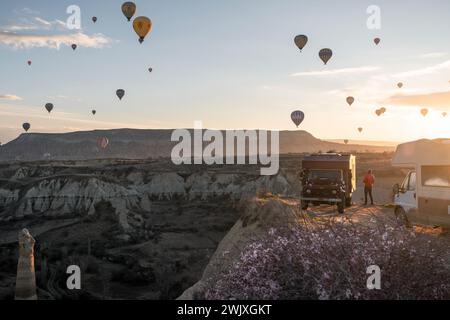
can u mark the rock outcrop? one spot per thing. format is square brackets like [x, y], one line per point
[260, 216]
[71, 190]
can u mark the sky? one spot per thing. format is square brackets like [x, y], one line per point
[231, 64]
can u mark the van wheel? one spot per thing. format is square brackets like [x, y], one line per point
[401, 217]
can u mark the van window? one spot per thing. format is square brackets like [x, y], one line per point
[436, 176]
[412, 181]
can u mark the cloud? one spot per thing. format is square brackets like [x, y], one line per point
[10, 97]
[43, 22]
[445, 66]
[433, 55]
[356, 70]
[27, 41]
[34, 24]
[437, 100]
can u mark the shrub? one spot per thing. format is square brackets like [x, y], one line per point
[329, 260]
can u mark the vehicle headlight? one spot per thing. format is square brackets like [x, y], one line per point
[334, 192]
[308, 191]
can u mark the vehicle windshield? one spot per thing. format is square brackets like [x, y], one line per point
[325, 175]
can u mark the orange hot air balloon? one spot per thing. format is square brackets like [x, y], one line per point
[142, 26]
[350, 100]
[400, 85]
[360, 130]
[424, 112]
[377, 41]
[129, 9]
[379, 112]
[383, 110]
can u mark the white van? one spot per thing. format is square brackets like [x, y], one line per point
[424, 195]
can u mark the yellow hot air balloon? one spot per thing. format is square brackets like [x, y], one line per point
[129, 9]
[142, 26]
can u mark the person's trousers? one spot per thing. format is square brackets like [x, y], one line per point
[368, 191]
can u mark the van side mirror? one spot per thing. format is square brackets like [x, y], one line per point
[396, 188]
[302, 174]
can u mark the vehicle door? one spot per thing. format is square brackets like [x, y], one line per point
[407, 196]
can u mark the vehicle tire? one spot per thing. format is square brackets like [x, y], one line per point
[304, 205]
[341, 206]
[348, 202]
[401, 217]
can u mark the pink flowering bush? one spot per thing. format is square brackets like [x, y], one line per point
[329, 260]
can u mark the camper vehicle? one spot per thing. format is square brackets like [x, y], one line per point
[424, 195]
[328, 179]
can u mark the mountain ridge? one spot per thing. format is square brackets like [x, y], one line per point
[142, 144]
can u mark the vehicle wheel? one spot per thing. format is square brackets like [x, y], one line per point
[304, 205]
[402, 218]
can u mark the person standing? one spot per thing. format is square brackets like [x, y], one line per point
[369, 181]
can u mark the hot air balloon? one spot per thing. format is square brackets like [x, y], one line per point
[94, 19]
[383, 110]
[74, 47]
[424, 112]
[444, 114]
[142, 26]
[301, 41]
[350, 100]
[360, 130]
[129, 9]
[94, 112]
[377, 40]
[150, 70]
[26, 126]
[378, 112]
[49, 107]
[120, 93]
[346, 141]
[29, 62]
[103, 143]
[400, 85]
[297, 117]
[325, 55]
